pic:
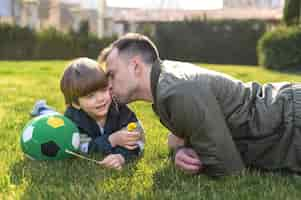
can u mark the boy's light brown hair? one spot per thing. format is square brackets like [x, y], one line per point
[81, 77]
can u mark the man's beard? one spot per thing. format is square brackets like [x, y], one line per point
[129, 98]
[120, 100]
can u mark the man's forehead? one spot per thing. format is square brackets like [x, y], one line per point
[113, 55]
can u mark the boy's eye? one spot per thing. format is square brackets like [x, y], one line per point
[110, 75]
[104, 89]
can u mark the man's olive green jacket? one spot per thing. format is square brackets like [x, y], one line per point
[230, 124]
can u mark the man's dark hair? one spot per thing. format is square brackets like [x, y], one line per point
[133, 44]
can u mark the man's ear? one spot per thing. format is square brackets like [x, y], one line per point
[75, 105]
[138, 64]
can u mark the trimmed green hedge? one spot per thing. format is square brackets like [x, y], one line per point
[17, 43]
[52, 44]
[220, 42]
[280, 48]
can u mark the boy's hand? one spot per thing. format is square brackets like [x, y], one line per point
[113, 161]
[125, 139]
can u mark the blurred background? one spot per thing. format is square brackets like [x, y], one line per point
[207, 31]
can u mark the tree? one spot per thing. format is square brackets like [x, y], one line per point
[84, 28]
[292, 12]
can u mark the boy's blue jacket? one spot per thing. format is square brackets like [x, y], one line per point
[117, 118]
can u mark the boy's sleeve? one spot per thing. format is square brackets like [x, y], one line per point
[101, 144]
[127, 116]
[127, 154]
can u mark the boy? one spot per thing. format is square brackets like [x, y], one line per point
[101, 121]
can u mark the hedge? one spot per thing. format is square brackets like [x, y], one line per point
[281, 48]
[21, 43]
[220, 42]
[16, 42]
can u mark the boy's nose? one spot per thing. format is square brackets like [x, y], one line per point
[110, 87]
[109, 84]
[99, 97]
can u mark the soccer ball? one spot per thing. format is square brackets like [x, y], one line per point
[47, 137]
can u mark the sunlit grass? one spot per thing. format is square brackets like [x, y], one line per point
[152, 177]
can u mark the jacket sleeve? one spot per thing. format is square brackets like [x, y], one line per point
[127, 116]
[127, 154]
[101, 144]
[196, 116]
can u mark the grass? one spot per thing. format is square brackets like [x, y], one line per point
[152, 177]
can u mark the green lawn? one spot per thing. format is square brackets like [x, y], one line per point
[152, 177]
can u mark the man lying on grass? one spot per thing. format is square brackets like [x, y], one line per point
[225, 124]
[101, 120]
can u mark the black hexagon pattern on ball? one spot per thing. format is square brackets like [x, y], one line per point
[50, 149]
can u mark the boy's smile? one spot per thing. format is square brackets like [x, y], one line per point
[96, 104]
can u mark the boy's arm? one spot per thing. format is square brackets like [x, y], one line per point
[101, 144]
[127, 154]
[114, 161]
[127, 117]
[125, 138]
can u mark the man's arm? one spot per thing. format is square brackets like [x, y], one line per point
[196, 115]
[174, 141]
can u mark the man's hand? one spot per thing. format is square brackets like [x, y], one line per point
[188, 160]
[113, 161]
[125, 139]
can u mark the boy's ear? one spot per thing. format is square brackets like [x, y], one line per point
[75, 105]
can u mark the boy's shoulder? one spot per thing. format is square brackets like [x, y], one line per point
[78, 116]
[72, 113]
[82, 121]
[121, 113]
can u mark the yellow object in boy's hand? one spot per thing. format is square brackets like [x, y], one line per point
[131, 126]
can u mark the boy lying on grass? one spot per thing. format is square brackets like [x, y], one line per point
[101, 121]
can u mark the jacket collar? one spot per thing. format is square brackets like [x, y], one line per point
[155, 74]
[85, 122]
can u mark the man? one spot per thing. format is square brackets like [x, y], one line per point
[225, 124]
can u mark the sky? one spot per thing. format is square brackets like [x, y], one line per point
[5, 7]
[185, 4]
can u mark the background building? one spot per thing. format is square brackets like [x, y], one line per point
[107, 20]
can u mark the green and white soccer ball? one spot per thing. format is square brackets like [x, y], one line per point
[47, 137]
